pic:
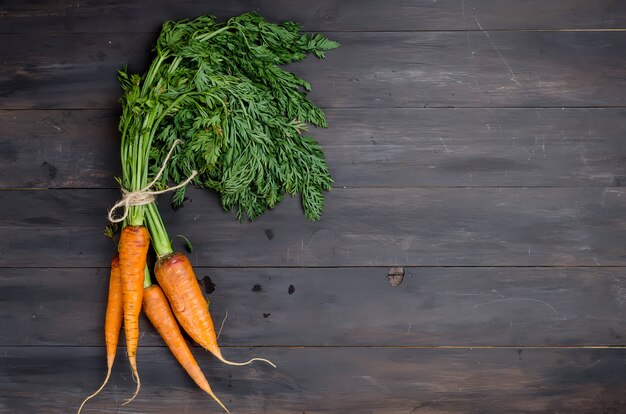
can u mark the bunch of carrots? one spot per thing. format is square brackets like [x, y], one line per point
[216, 110]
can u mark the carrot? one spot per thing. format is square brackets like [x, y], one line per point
[134, 243]
[158, 311]
[112, 323]
[175, 276]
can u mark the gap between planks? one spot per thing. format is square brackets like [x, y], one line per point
[344, 187]
[420, 266]
[434, 347]
[348, 108]
[351, 31]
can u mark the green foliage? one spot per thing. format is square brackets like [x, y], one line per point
[242, 118]
[110, 230]
[188, 245]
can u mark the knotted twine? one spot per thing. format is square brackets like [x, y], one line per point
[146, 195]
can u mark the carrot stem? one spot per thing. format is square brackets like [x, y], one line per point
[158, 234]
[146, 278]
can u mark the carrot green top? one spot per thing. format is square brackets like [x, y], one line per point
[220, 89]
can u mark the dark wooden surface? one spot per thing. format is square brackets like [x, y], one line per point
[330, 380]
[373, 69]
[383, 226]
[365, 147]
[455, 306]
[478, 144]
[350, 380]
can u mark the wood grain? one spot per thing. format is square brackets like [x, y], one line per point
[336, 15]
[375, 70]
[364, 147]
[42, 149]
[342, 307]
[326, 380]
[360, 227]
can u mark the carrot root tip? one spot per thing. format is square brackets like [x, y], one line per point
[136, 392]
[227, 362]
[222, 405]
[106, 379]
[217, 400]
[136, 378]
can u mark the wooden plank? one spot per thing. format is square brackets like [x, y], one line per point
[431, 69]
[343, 307]
[336, 15]
[364, 147]
[42, 149]
[360, 227]
[476, 147]
[325, 380]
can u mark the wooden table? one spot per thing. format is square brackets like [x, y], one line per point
[478, 145]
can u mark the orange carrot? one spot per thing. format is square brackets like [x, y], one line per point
[158, 311]
[112, 323]
[134, 243]
[175, 276]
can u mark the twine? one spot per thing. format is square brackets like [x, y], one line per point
[146, 194]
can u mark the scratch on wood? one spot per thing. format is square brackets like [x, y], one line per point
[481, 27]
[521, 299]
[50, 124]
[513, 78]
[374, 382]
[592, 364]
[493, 115]
[530, 154]
[541, 143]
[444, 145]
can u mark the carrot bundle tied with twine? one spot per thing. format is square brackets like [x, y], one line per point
[221, 87]
[146, 195]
